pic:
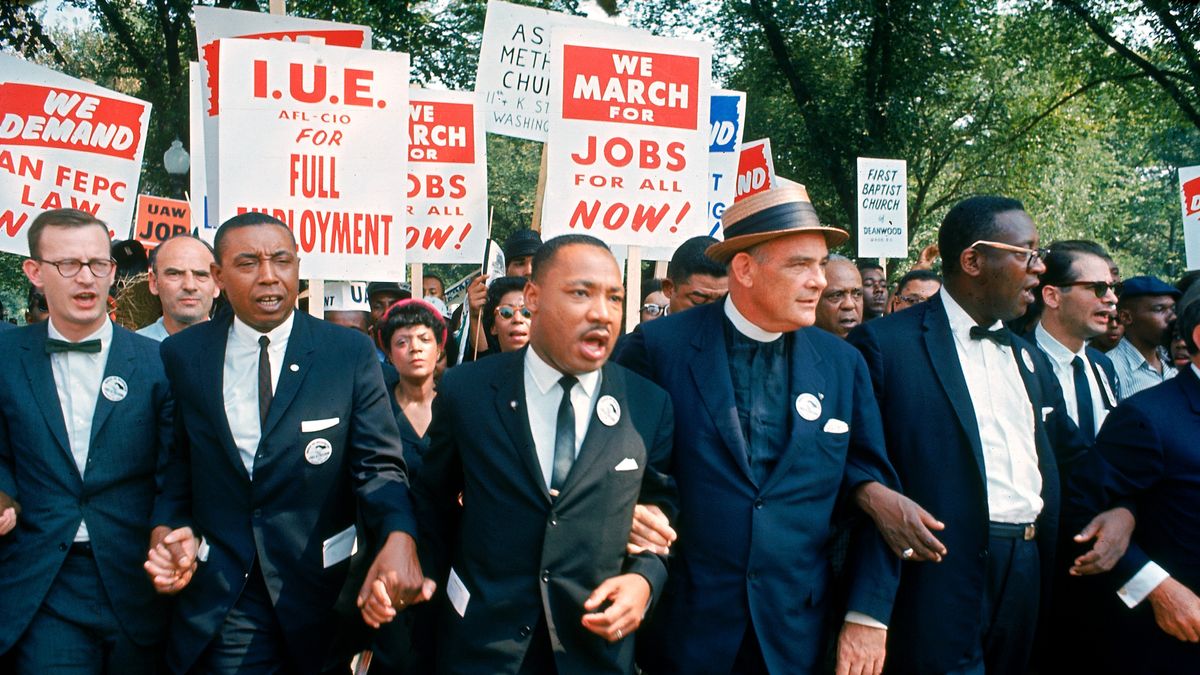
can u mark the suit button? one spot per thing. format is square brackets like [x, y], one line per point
[554, 522]
[758, 503]
[525, 631]
[62, 547]
[545, 576]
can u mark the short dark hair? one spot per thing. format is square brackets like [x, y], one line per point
[1060, 262]
[1186, 324]
[866, 264]
[1185, 282]
[916, 275]
[247, 219]
[691, 258]
[410, 312]
[154, 251]
[59, 218]
[429, 275]
[496, 292]
[971, 220]
[546, 253]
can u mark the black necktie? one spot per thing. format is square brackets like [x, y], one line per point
[59, 346]
[264, 380]
[1083, 399]
[564, 437]
[1000, 336]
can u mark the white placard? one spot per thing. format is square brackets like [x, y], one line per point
[882, 208]
[447, 178]
[65, 143]
[1189, 193]
[627, 156]
[198, 192]
[308, 135]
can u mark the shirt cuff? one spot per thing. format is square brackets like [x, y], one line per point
[864, 620]
[1147, 579]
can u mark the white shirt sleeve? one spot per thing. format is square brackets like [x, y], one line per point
[1137, 588]
[864, 620]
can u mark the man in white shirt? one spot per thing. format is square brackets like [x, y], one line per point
[181, 277]
[85, 419]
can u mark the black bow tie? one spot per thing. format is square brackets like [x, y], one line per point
[59, 346]
[1001, 336]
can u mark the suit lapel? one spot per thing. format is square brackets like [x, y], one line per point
[710, 371]
[41, 380]
[209, 371]
[1033, 388]
[510, 408]
[297, 361]
[944, 355]
[122, 364]
[599, 435]
[805, 377]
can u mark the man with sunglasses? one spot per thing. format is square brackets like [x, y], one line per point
[1146, 309]
[974, 420]
[85, 418]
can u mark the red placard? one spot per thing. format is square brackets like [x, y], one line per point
[1191, 196]
[54, 117]
[441, 132]
[160, 218]
[615, 85]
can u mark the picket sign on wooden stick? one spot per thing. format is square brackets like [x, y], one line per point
[660, 269]
[539, 195]
[633, 288]
[417, 281]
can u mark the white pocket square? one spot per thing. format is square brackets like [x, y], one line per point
[1046, 413]
[309, 426]
[836, 426]
[627, 464]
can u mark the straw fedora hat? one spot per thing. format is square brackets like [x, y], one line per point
[767, 215]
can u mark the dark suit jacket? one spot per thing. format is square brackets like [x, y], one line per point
[292, 507]
[933, 441]
[129, 440]
[522, 555]
[757, 553]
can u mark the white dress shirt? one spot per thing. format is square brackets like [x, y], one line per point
[1004, 415]
[1062, 360]
[155, 331]
[239, 384]
[77, 379]
[542, 398]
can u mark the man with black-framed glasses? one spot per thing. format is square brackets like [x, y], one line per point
[85, 418]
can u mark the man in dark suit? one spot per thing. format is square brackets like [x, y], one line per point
[85, 420]
[550, 449]
[991, 474]
[283, 432]
[1152, 461]
[781, 427]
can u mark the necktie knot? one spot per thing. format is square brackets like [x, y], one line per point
[54, 346]
[567, 382]
[1001, 336]
[264, 341]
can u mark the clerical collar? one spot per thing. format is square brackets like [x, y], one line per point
[743, 325]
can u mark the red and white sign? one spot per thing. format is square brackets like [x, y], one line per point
[1189, 188]
[447, 177]
[628, 148]
[65, 143]
[213, 24]
[308, 134]
[159, 219]
[756, 170]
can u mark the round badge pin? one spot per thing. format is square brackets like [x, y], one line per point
[808, 406]
[114, 388]
[318, 451]
[1027, 359]
[608, 410]
[294, 368]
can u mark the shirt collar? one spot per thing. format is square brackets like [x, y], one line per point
[744, 326]
[243, 333]
[961, 323]
[1055, 349]
[546, 376]
[103, 333]
[1195, 369]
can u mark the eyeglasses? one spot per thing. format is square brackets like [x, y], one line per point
[836, 297]
[507, 312]
[99, 267]
[1032, 255]
[653, 309]
[1100, 288]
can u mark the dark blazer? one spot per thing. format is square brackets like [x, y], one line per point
[282, 517]
[933, 441]
[521, 555]
[1107, 372]
[130, 439]
[750, 552]
[1151, 448]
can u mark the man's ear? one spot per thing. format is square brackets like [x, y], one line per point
[215, 270]
[532, 296]
[668, 288]
[33, 271]
[971, 262]
[741, 269]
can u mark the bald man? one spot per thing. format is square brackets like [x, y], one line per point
[841, 307]
[181, 277]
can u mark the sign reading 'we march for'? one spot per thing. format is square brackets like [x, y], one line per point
[627, 156]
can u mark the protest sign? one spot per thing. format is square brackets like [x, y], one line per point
[726, 117]
[513, 77]
[627, 155]
[1189, 188]
[160, 218]
[308, 134]
[65, 143]
[213, 24]
[447, 177]
[197, 191]
[756, 169]
[882, 208]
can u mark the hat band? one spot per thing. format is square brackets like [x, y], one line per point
[775, 219]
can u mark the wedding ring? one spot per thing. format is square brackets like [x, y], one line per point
[620, 634]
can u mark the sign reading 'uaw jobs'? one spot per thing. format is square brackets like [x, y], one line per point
[627, 155]
[308, 135]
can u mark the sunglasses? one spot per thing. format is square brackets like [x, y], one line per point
[653, 309]
[507, 312]
[1100, 288]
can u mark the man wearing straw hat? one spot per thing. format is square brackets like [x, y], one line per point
[782, 427]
